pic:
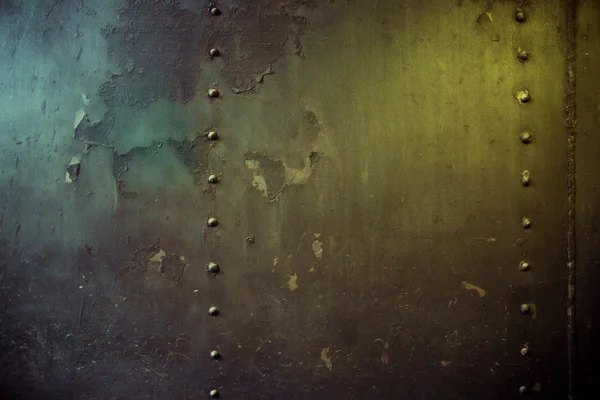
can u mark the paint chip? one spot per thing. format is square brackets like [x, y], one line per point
[317, 248]
[325, 358]
[385, 358]
[292, 282]
[158, 257]
[470, 286]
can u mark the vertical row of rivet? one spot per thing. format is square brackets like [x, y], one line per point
[524, 97]
[212, 267]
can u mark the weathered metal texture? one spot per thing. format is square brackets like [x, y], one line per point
[369, 203]
[588, 200]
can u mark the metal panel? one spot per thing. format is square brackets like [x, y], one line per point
[363, 163]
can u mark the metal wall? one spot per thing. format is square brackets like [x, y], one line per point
[363, 161]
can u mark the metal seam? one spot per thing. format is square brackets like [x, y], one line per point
[570, 124]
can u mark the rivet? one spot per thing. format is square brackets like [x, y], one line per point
[522, 55]
[212, 222]
[525, 178]
[526, 223]
[525, 137]
[523, 96]
[520, 15]
[213, 92]
[525, 308]
[213, 311]
[212, 135]
[214, 52]
[524, 266]
[213, 179]
[522, 390]
[215, 11]
[214, 394]
[524, 350]
[215, 354]
[212, 267]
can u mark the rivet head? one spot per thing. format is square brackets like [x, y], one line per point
[525, 308]
[525, 137]
[520, 16]
[523, 96]
[213, 311]
[522, 390]
[215, 11]
[213, 267]
[214, 52]
[213, 92]
[525, 178]
[214, 394]
[524, 351]
[212, 222]
[524, 266]
[522, 55]
[526, 223]
[213, 178]
[215, 354]
[212, 135]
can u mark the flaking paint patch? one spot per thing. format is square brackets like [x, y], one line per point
[317, 247]
[325, 358]
[292, 282]
[470, 286]
[258, 181]
[158, 257]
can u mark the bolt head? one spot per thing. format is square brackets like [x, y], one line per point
[525, 308]
[212, 222]
[520, 16]
[213, 93]
[215, 354]
[214, 394]
[214, 52]
[522, 390]
[213, 311]
[524, 351]
[526, 223]
[524, 266]
[215, 11]
[525, 178]
[525, 137]
[522, 55]
[213, 178]
[212, 267]
[212, 135]
[523, 96]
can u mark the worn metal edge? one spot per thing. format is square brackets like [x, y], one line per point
[570, 110]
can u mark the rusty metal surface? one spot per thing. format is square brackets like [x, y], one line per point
[369, 200]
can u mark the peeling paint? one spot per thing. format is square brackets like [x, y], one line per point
[325, 358]
[470, 286]
[317, 247]
[158, 257]
[292, 282]
[258, 181]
